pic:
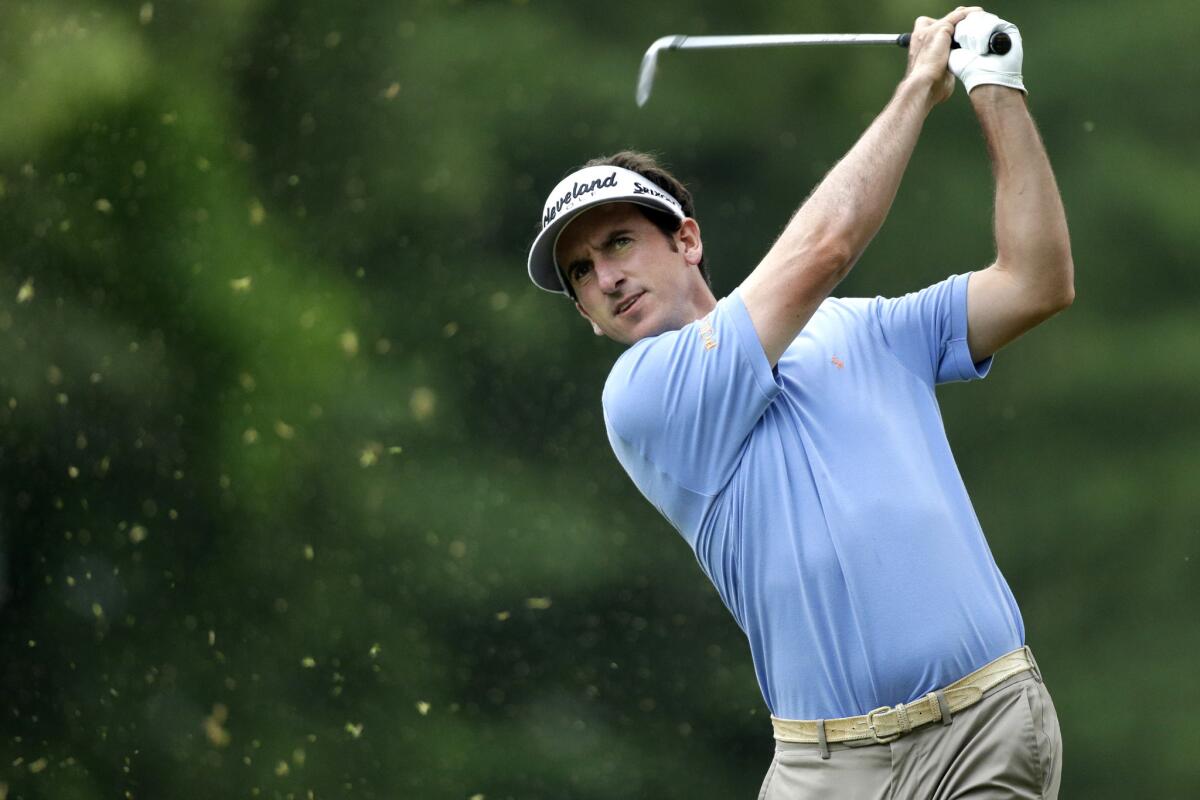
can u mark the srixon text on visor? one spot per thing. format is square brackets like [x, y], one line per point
[580, 189]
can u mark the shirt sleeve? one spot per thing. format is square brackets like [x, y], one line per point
[684, 403]
[927, 331]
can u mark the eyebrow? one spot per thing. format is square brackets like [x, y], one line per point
[581, 262]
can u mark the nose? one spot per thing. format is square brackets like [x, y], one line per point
[608, 275]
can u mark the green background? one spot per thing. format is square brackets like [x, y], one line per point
[305, 488]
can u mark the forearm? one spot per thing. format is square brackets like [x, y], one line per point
[1032, 243]
[838, 220]
[848, 207]
[834, 225]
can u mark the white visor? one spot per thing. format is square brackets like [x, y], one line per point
[579, 191]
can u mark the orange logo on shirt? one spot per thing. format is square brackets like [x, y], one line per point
[837, 362]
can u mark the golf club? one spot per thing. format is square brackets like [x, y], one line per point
[999, 44]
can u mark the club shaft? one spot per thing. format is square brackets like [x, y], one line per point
[768, 40]
[999, 44]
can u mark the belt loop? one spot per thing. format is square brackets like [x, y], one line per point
[822, 742]
[1037, 671]
[944, 706]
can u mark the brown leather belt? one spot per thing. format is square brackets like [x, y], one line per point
[888, 723]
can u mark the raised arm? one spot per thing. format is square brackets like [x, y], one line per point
[1033, 276]
[835, 224]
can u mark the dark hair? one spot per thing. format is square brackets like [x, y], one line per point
[648, 167]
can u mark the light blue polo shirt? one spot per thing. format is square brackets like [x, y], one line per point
[821, 497]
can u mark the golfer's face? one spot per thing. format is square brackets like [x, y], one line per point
[630, 280]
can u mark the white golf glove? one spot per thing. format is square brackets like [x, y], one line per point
[974, 65]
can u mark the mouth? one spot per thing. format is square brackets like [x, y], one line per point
[627, 304]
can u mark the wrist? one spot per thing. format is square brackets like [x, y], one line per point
[995, 94]
[918, 89]
[992, 100]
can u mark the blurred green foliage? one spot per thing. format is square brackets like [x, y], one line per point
[306, 491]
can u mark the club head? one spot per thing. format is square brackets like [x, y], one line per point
[650, 64]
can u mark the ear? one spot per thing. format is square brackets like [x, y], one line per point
[595, 328]
[688, 239]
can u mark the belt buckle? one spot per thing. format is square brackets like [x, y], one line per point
[871, 726]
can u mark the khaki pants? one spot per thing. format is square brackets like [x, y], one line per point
[1005, 746]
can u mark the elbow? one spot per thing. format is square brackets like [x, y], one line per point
[1058, 293]
[817, 266]
[1046, 284]
[1065, 295]
[836, 257]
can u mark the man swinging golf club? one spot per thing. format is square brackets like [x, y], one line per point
[794, 440]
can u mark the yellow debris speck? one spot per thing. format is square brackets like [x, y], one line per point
[422, 707]
[499, 301]
[354, 730]
[257, 213]
[458, 548]
[138, 534]
[395, 450]
[25, 293]
[503, 615]
[374, 651]
[103, 205]
[369, 456]
[282, 769]
[73, 471]
[477, 797]
[97, 610]
[283, 430]
[308, 662]
[241, 284]
[250, 436]
[538, 603]
[449, 329]
[349, 343]
[146, 13]
[392, 91]
[298, 756]
[37, 766]
[422, 403]
[212, 638]
[309, 553]
[214, 726]
[246, 381]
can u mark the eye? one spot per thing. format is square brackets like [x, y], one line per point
[580, 271]
[620, 242]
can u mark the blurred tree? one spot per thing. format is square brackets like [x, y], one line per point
[306, 489]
